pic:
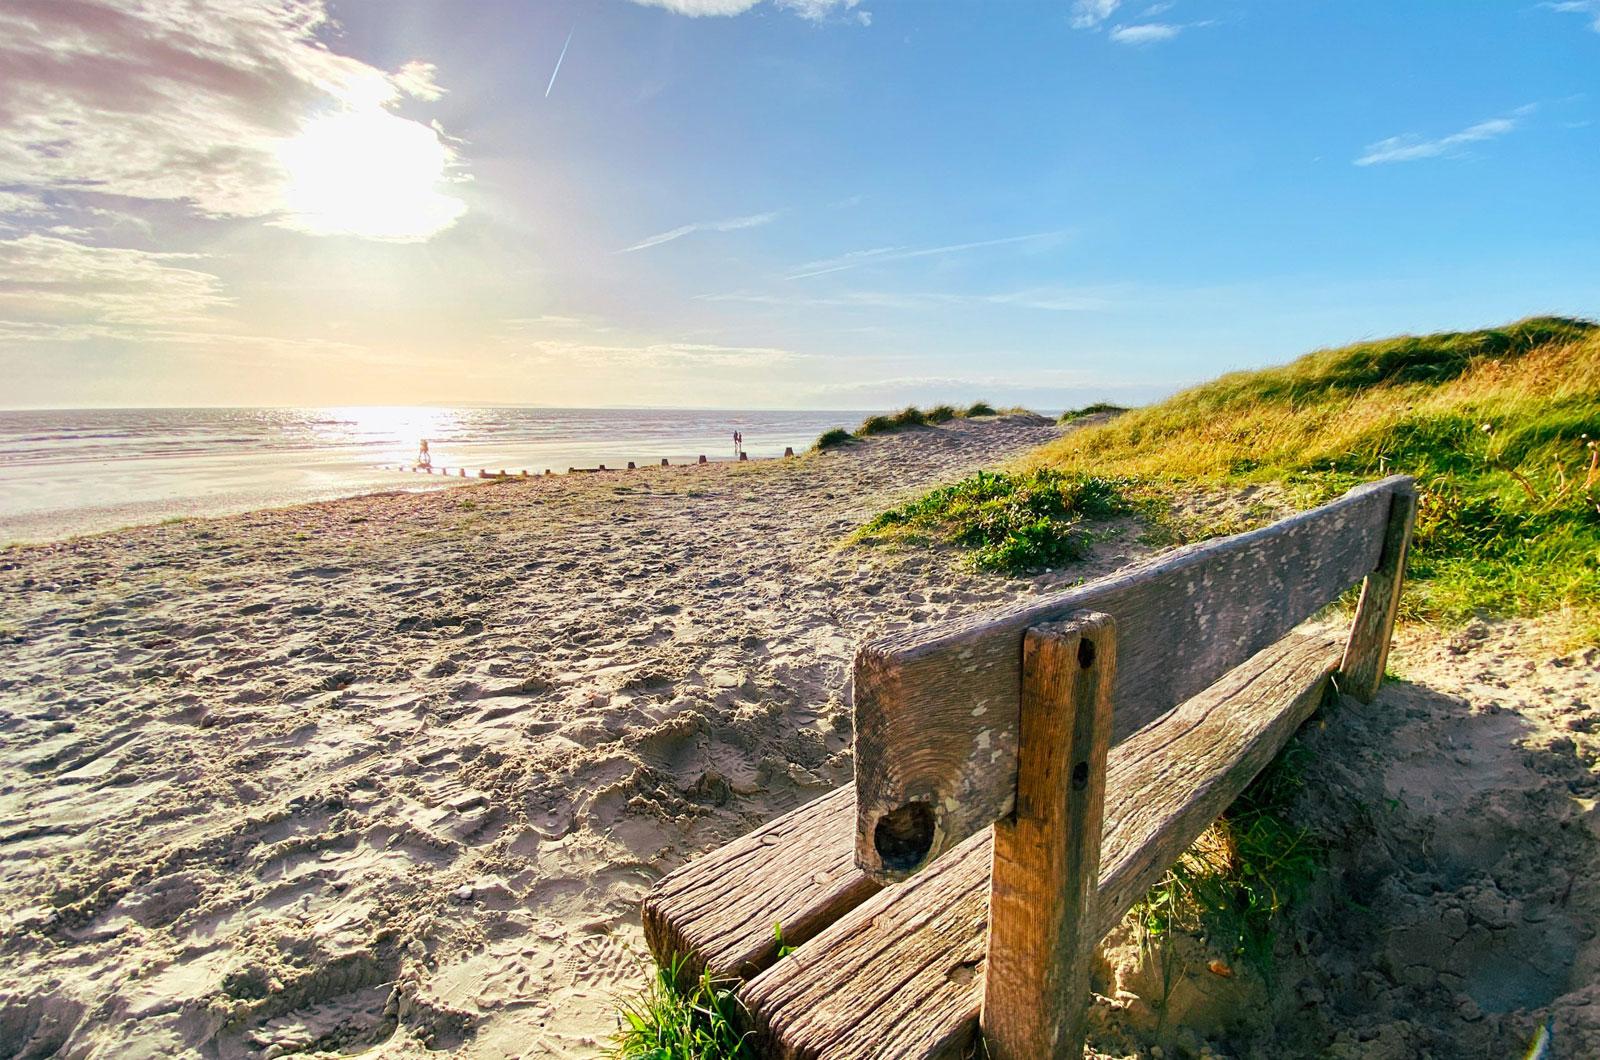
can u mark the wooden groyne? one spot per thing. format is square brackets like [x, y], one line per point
[485, 473]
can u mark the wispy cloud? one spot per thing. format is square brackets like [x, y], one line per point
[46, 280]
[828, 10]
[1411, 147]
[1589, 9]
[1088, 14]
[1052, 299]
[811, 10]
[1146, 33]
[732, 224]
[855, 259]
[654, 355]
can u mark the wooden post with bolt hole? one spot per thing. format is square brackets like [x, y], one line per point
[1046, 866]
[1366, 653]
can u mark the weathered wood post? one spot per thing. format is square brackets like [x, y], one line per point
[1367, 651]
[663, 461]
[631, 466]
[1046, 864]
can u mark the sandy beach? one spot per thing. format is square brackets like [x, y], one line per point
[398, 768]
[391, 774]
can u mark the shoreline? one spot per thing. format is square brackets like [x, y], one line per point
[429, 484]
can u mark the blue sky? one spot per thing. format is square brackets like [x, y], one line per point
[803, 203]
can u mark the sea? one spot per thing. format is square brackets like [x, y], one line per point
[65, 472]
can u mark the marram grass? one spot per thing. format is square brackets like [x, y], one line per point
[1498, 426]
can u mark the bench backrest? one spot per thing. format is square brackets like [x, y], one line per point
[937, 709]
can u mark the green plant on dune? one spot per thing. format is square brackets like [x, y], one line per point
[833, 439]
[1011, 523]
[671, 1022]
[1232, 885]
[910, 416]
[1090, 410]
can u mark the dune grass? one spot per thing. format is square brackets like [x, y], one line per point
[908, 417]
[833, 439]
[1499, 427]
[670, 1022]
[1252, 863]
[1090, 410]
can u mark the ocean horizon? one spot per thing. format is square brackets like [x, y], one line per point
[65, 472]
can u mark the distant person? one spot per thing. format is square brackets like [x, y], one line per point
[424, 458]
[738, 444]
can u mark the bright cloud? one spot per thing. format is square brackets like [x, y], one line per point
[732, 224]
[1411, 147]
[203, 104]
[1148, 33]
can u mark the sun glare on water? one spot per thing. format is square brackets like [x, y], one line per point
[369, 173]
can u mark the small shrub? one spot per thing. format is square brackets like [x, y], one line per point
[670, 1023]
[980, 408]
[833, 439]
[942, 414]
[910, 416]
[1012, 523]
[1091, 410]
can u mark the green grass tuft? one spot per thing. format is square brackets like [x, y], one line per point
[669, 1023]
[1012, 523]
[833, 439]
[1091, 410]
[1232, 886]
[912, 416]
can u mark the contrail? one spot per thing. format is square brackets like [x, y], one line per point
[557, 70]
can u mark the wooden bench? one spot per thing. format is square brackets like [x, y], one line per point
[1030, 773]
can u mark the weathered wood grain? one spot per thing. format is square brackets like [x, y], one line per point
[901, 975]
[1045, 872]
[1367, 652]
[797, 871]
[936, 709]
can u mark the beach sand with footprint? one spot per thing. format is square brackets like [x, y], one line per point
[396, 770]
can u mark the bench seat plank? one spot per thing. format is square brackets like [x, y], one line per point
[902, 974]
[797, 871]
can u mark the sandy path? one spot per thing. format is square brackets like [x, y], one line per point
[398, 769]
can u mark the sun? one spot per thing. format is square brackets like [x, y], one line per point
[363, 171]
